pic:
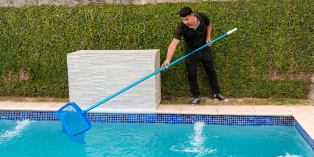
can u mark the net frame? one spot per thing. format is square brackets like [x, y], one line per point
[81, 115]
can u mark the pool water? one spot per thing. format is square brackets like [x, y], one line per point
[44, 138]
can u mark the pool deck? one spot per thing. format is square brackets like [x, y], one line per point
[303, 114]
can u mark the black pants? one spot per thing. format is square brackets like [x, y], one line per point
[206, 58]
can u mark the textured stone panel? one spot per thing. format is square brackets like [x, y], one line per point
[97, 74]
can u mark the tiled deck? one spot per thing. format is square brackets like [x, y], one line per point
[303, 114]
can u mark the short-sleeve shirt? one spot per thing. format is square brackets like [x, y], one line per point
[193, 38]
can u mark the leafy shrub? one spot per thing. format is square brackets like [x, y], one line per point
[271, 54]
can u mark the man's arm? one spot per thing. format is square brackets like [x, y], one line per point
[171, 49]
[208, 33]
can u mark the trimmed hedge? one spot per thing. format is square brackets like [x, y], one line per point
[271, 54]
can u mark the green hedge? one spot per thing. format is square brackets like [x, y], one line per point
[271, 54]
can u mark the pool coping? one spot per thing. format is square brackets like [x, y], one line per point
[303, 115]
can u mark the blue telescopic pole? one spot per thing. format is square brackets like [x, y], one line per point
[152, 74]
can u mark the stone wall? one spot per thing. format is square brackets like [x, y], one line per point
[95, 75]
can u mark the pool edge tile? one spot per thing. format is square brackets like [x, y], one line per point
[199, 109]
[272, 110]
[169, 109]
[10, 106]
[236, 110]
[302, 109]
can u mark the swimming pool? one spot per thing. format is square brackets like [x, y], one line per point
[153, 135]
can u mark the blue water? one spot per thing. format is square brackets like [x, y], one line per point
[44, 139]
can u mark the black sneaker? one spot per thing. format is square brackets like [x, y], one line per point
[196, 100]
[220, 97]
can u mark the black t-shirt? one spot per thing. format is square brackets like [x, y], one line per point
[193, 38]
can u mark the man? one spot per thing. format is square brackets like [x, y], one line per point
[196, 30]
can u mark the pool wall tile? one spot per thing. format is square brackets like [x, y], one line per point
[303, 133]
[156, 118]
[31, 115]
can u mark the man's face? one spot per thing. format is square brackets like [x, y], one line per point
[188, 20]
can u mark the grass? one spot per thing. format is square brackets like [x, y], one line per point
[242, 101]
[180, 100]
[60, 100]
[31, 99]
[11, 99]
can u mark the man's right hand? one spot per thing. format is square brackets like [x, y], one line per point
[165, 64]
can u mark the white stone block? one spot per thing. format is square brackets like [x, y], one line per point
[95, 75]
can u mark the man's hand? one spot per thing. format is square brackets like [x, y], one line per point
[170, 52]
[208, 41]
[165, 64]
